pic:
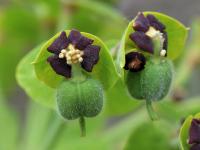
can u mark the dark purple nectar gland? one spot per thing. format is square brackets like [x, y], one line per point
[74, 49]
[194, 134]
[150, 34]
[135, 61]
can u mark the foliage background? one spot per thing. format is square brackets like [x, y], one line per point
[27, 125]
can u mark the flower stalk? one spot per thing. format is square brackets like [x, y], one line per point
[77, 74]
[82, 126]
[151, 112]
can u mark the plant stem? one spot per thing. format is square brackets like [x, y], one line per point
[77, 74]
[151, 112]
[82, 126]
[53, 134]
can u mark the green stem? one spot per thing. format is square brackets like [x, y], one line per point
[82, 126]
[151, 112]
[53, 134]
[77, 74]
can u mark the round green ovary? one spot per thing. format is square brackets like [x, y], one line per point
[79, 99]
[152, 83]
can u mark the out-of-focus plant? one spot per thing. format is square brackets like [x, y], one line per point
[22, 27]
[9, 126]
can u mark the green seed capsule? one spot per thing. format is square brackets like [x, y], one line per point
[79, 99]
[153, 82]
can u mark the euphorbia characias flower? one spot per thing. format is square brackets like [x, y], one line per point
[146, 29]
[76, 99]
[194, 134]
[72, 49]
[148, 77]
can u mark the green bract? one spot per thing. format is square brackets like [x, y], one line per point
[79, 99]
[118, 101]
[104, 70]
[184, 132]
[27, 79]
[177, 34]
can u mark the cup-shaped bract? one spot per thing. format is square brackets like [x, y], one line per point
[152, 34]
[103, 66]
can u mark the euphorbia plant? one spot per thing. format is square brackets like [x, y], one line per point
[154, 71]
[78, 69]
[80, 96]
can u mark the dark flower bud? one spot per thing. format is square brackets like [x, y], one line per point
[194, 134]
[135, 61]
[195, 147]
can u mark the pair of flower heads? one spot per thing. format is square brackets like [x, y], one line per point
[78, 49]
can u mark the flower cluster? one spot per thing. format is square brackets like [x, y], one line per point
[146, 29]
[194, 135]
[70, 50]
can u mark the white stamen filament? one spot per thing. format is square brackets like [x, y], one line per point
[158, 36]
[163, 53]
[71, 54]
[61, 55]
[153, 33]
[80, 59]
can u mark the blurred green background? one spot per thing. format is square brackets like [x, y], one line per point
[27, 125]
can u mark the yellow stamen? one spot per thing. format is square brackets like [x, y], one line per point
[71, 54]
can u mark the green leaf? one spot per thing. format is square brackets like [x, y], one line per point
[104, 70]
[18, 26]
[85, 16]
[149, 136]
[197, 115]
[184, 132]
[118, 101]
[38, 119]
[177, 35]
[174, 111]
[27, 79]
[9, 126]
